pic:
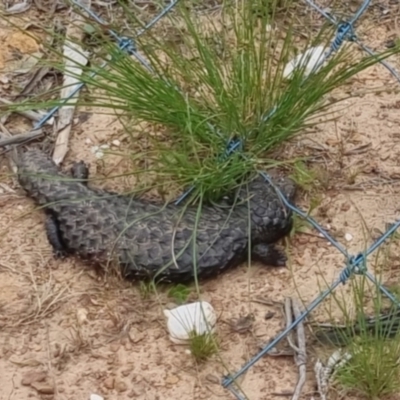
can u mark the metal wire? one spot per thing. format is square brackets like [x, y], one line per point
[355, 264]
[124, 43]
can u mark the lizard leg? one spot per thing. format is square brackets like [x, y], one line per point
[268, 254]
[53, 236]
[80, 170]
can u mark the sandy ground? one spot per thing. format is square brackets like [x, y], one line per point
[67, 333]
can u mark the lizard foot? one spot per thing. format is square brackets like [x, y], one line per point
[269, 255]
[80, 170]
[54, 238]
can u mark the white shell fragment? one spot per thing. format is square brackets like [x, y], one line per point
[308, 60]
[96, 397]
[348, 237]
[198, 317]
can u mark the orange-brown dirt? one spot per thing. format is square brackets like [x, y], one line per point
[67, 333]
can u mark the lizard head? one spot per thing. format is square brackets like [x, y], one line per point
[259, 190]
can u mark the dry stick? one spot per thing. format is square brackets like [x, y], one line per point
[32, 115]
[289, 320]
[74, 57]
[20, 138]
[300, 350]
[301, 356]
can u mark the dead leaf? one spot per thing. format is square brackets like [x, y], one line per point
[171, 380]
[269, 315]
[25, 64]
[18, 8]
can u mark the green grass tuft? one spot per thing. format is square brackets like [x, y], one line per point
[202, 347]
[179, 293]
[374, 369]
[370, 335]
[213, 77]
[147, 289]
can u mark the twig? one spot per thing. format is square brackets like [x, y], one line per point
[292, 310]
[20, 138]
[33, 81]
[32, 115]
[289, 320]
[267, 302]
[301, 356]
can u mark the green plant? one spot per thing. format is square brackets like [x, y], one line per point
[373, 370]
[179, 293]
[146, 289]
[305, 177]
[214, 79]
[370, 335]
[300, 224]
[202, 347]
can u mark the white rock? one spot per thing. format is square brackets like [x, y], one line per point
[88, 141]
[95, 397]
[198, 317]
[116, 143]
[307, 60]
[348, 237]
[99, 154]
[94, 149]
[81, 315]
[105, 146]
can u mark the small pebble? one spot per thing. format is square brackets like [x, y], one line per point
[109, 383]
[171, 380]
[114, 347]
[88, 141]
[121, 386]
[116, 143]
[32, 377]
[348, 237]
[81, 315]
[44, 388]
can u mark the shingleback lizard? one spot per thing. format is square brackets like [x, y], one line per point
[140, 235]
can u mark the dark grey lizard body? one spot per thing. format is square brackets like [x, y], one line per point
[149, 239]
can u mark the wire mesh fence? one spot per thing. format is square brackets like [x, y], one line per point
[345, 30]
